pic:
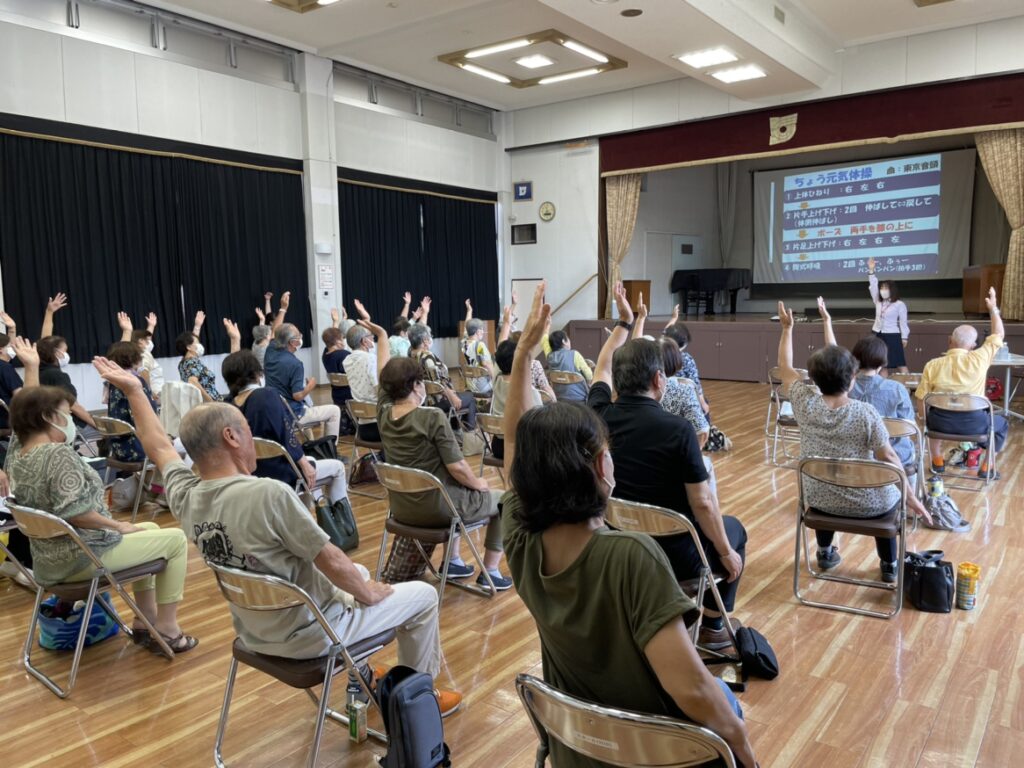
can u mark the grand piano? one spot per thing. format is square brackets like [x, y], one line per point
[700, 285]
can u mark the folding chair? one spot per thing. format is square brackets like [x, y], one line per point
[114, 429]
[590, 363]
[406, 480]
[658, 521]
[908, 428]
[786, 428]
[545, 398]
[491, 426]
[616, 736]
[340, 380]
[565, 377]
[964, 404]
[908, 380]
[436, 392]
[851, 473]
[268, 449]
[358, 411]
[36, 524]
[262, 592]
[477, 373]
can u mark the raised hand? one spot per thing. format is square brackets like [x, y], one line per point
[286, 299]
[25, 351]
[625, 311]
[268, 295]
[469, 305]
[506, 315]
[536, 322]
[260, 314]
[990, 300]
[151, 321]
[8, 321]
[124, 322]
[335, 317]
[117, 376]
[231, 328]
[407, 298]
[822, 310]
[200, 319]
[361, 309]
[675, 315]
[344, 313]
[871, 265]
[57, 302]
[425, 303]
[372, 327]
[641, 309]
[417, 313]
[785, 316]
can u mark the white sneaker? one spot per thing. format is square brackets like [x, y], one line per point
[13, 572]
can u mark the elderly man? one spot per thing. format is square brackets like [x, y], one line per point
[259, 524]
[284, 372]
[361, 368]
[658, 461]
[475, 352]
[963, 370]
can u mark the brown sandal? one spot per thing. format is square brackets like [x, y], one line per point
[175, 644]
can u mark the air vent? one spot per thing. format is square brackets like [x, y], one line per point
[780, 15]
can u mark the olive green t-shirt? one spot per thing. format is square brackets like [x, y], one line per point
[596, 617]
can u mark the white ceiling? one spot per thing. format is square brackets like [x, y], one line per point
[403, 38]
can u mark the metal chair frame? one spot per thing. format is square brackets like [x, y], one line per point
[616, 736]
[359, 409]
[658, 521]
[491, 426]
[112, 428]
[844, 472]
[908, 428]
[786, 432]
[964, 403]
[37, 524]
[908, 380]
[269, 449]
[263, 592]
[398, 479]
[436, 390]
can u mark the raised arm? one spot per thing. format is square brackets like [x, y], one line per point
[675, 317]
[826, 318]
[234, 336]
[641, 319]
[995, 317]
[469, 310]
[380, 337]
[154, 440]
[197, 323]
[506, 324]
[406, 301]
[335, 318]
[53, 304]
[26, 352]
[266, 303]
[520, 391]
[787, 374]
[425, 306]
[151, 322]
[9, 324]
[286, 299]
[619, 334]
[125, 324]
[872, 281]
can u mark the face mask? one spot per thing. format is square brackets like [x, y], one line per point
[68, 429]
[9, 351]
[884, 293]
[64, 359]
[149, 346]
[299, 346]
[200, 349]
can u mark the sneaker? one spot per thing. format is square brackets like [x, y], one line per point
[938, 469]
[13, 572]
[448, 701]
[889, 571]
[460, 571]
[501, 583]
[717, 639]
[828, 558]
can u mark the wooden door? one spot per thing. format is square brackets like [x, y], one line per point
[742, 356]
[704, 348]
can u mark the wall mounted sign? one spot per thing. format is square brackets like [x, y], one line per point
[522, 191]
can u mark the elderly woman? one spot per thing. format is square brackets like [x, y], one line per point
[191, 368]
[46, 473]
[53, 359]
[422, 438]
[270, 417]
[834, 425]
[127, 356]
[420, 341]
[680, 398]
[607, 605]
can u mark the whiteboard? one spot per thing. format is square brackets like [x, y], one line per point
[524, 289]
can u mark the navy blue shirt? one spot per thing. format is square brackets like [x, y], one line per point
[284, 374]
[334, 362]
[9, 381]
[270, 418]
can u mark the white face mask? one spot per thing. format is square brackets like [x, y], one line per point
[200, 349]
[68, 429]
[9, 351]
[149, 346]
[884, 293]
[64, 359]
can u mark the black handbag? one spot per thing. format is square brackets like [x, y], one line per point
[338, 521]
[928, 581]
[322, 448]
[756, 654]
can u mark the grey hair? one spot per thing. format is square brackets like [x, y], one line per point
[260, 332]
[346, 326]
[285, 333]
[203, 427]
[417, 335]
[354, 337]
[474, 326]
[965, 336]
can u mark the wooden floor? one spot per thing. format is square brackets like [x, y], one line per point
[919, 690]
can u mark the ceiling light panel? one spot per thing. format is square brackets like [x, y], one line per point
[496, 76]
[570, 76]
[536, 61]
[511, 45]
[711, 57]
[738, 74]
[581, 49]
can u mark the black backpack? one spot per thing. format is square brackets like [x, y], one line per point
[412, 720]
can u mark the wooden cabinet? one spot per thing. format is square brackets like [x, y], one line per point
[732, 354]
[634, 288]
[977, 281]
[924, 345]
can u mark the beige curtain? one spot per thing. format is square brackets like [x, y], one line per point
[621, 202]
[1002, 156]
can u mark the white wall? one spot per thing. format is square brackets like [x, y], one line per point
[566, 249]
[971, 51]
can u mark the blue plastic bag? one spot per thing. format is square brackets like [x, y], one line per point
[61, 633]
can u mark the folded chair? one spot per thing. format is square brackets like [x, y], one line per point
[114, 429]
[616, 736]
[263, 592]
[36, 524]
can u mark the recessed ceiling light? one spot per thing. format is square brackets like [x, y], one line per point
[510, 45]
[736, 74]
[536, 61]
[708, 58]
[486, 73]
[569, 76]
[581, 49]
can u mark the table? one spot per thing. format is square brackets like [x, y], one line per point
[1008, 362]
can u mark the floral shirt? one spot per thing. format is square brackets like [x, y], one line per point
[126, 448]
[681, 399]
[193, 366]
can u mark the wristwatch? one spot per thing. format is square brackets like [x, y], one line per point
[624, 324]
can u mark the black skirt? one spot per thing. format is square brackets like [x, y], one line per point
[894, 343]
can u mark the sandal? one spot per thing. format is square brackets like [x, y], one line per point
[180, 644]
[141, 636]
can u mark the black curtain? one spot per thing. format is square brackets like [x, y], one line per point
[396, 241]
[122, 230]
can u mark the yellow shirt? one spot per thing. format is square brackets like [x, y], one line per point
[959, 371]
[577, 359]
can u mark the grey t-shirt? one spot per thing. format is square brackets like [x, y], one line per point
[853, 431]
[258, 524]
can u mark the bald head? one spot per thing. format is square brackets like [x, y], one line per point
[963, 337]
[202, 429]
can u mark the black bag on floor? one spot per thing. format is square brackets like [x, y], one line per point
[338, 521]
[928, 581]
[412, 720]
[756, 654]
[325, 447]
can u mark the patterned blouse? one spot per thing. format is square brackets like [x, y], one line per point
[53, 478]
[689, 371]
[126, 448]
[681, 400]
[193, 366]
